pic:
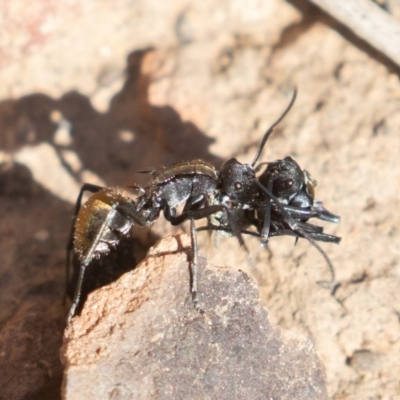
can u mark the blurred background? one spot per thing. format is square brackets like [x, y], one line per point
[94, 91]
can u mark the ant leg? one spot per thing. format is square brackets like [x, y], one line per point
[324, 214]
[77, 295]
[326, 284]
[318, 236]
[195, 214]
[209, 210]
[291, 221]
[300, 213]
[267, 215]
[86, 261]
[192, 215]
[85, 187]
[194, 264]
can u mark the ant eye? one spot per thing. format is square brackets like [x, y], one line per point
[238, 185]
[289, 183]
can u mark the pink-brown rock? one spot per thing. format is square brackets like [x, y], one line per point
[141, 338]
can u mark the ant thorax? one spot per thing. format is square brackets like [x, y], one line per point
[220, 219]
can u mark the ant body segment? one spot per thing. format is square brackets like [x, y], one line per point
[279, 201]
[106, 217]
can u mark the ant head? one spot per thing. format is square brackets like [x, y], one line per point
[285, 178]
[237, 181]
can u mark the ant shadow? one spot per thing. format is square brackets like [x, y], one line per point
[40, 222]
[159, 134]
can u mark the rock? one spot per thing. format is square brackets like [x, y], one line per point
[141, 337]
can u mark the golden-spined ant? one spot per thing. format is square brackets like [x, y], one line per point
[279, 201]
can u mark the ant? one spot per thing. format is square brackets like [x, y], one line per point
[278, 202]
[294, 190]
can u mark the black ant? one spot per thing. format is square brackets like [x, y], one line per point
[278, 202]
[294, 190]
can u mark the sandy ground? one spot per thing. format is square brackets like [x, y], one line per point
[94, 91]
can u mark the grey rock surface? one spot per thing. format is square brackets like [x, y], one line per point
[141, 338]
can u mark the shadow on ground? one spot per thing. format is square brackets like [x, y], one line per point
[35, 224]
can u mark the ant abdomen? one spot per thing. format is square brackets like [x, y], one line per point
[99, 225]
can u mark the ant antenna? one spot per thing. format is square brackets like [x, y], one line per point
[327, 284]
[269, 131]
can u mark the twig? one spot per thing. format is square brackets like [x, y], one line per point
[367, 21]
